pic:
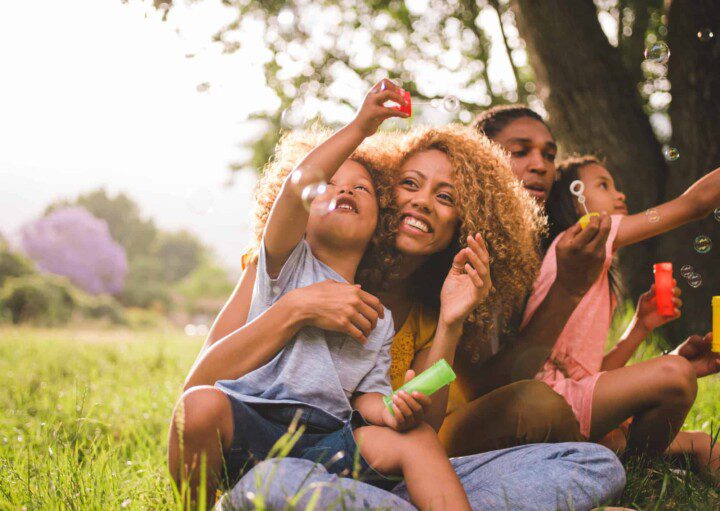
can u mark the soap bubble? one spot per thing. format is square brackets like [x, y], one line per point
[203, 87]
[652, 215]
[300, 178]
[703, 244]
[451, 104]
[705, 34]
[658, 52]
[695, 280]
[670, 153]
[686, 271]
[318, 198]
[199, 200]
[716, 214]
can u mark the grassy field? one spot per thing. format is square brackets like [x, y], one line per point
[83, 424]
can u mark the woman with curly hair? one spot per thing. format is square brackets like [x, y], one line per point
[451, 184]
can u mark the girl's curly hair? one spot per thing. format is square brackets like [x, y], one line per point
[381, 258]
[491, 201]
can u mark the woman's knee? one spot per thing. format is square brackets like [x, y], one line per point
[677, 379]
[202, 412]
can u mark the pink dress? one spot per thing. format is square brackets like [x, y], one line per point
[576, 359]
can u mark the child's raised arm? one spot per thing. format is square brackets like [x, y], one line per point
[696, 203]
[288, 219]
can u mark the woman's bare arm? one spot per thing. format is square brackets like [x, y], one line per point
[234, 348]
[234, 313]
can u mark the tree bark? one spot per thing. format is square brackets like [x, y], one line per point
[595, 107]
[694, 72]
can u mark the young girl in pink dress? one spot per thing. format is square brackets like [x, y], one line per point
[648, 400]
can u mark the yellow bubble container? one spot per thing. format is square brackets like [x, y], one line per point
[585, 219]
[716, 324]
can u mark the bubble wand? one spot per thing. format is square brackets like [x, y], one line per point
[577, 188]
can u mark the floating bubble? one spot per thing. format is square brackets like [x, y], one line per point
[658, 52]
[716, 214]
[703, 244]
[695, 280]
[199, 200]
[203, 87]
[686, 271]
[705, 34]
[670, 153]
[451, 104]
[652, 215]
[317, 198]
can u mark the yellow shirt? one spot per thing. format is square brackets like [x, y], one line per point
[415, 335]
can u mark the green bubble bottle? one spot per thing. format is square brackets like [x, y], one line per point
[428, 382]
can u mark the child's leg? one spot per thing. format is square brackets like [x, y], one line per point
[419, 457]
[699, 445]
[204, 416]
[657, 393]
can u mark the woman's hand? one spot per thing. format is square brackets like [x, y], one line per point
[409, 409]
[373, 111]
[468, 283]
[338, 307]
[698, 351]
[647, 314]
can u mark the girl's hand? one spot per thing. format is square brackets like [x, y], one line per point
[372, 113]
[468, 283]
[338, 307]
[647, 313]
[409, 409]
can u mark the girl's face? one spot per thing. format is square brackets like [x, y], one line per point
[352, 223]
[427, 203]
[600, 191]
[532, 155]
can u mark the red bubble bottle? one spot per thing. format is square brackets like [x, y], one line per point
[664, 289]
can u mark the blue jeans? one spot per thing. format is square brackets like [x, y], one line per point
[536, 477]
[326, 440]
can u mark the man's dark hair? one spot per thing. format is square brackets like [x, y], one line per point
[493, 120]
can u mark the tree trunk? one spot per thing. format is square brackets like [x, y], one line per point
[694, 72]
[595, 107]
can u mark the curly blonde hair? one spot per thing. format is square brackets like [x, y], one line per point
[492, 202]
[381, 259]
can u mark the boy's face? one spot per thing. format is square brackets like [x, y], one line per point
[352, 223]
[600, 192]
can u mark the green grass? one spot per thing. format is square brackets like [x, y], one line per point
[84, 415]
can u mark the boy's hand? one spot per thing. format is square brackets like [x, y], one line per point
[647, 313]
[372, 113]
[409, 409]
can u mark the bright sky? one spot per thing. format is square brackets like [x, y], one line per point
[98, 93]
[93, 94]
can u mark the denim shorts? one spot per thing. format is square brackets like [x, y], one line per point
[326, 440]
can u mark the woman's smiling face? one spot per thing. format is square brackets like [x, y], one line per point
[427, 204]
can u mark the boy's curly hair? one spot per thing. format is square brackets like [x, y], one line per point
[381, 258]
[492, 202]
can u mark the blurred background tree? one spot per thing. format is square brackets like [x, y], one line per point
[579, 62]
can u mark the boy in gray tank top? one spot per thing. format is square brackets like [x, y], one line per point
[332, 384]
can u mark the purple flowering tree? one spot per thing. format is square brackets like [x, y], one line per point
[74, 243]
